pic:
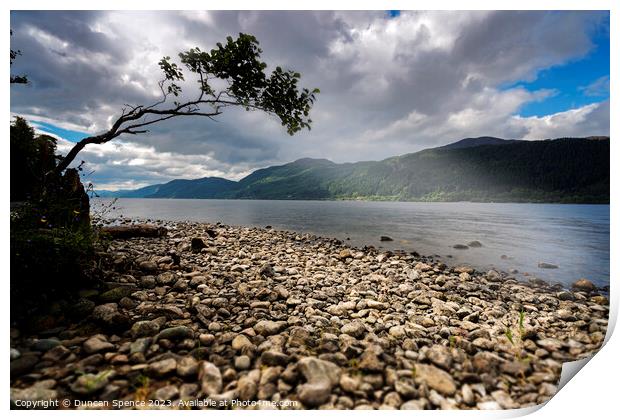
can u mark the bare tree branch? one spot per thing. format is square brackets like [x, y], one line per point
[237, 64]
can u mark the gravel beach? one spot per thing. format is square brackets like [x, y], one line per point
[215, 316]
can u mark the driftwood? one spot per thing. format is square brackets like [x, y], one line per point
[134, 231]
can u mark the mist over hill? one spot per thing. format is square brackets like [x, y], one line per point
[566, 170]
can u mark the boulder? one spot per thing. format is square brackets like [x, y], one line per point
[583, 285]
[547, 265]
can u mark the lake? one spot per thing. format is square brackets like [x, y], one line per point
[513, 236]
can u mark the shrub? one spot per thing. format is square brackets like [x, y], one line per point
[52, 242]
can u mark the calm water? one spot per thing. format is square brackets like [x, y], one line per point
[574, 237]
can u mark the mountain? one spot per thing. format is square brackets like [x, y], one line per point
[210, 187]
[193, 188]
[572, 170]
[478, 141]
[139, 193]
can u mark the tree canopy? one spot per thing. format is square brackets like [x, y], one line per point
[32, 156]
[230, 75]
[20, 79]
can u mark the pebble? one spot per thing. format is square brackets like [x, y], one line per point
[349, 383]
[406, 389]
[45, 344]
[39, 392]
[162, 367]
[267, 328]
[397, 331]
[90, 383]
[206, 339]
[210, 378]
[144, 329]
[23, 364]
[274, 358]
[440, 356]
[187, 366]
[268, 315]
[247, 388]
[97, 344]
[370, 360]
[167, 393]
[176, 333]
[468, 395]
[413, 405]
[355, 329]
[321, 376]
[148, 266]
[489, 405]
[241, 342]
[242, 362]
[435, 378]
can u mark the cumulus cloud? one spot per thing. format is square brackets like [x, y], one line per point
[143, 165]
[388, 85]
[578, 122]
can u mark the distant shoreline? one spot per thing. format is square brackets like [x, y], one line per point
[602, 203]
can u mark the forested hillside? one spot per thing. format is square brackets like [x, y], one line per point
[574, 170]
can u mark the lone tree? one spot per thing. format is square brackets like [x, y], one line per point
[237, 66]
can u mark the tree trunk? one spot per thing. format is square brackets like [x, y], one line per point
[66, 161]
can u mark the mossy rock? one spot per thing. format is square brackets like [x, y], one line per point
[82, 308]
[116, 294]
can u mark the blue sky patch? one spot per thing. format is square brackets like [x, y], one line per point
[71, 135]
[577, 83]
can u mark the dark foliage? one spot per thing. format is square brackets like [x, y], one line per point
[32, 157]
[52, 243]
[20, 79]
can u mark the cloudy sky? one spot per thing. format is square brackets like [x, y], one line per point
[391, 83]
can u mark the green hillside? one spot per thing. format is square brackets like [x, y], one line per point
[574, 170]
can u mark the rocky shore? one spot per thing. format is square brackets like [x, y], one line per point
[214, 316]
